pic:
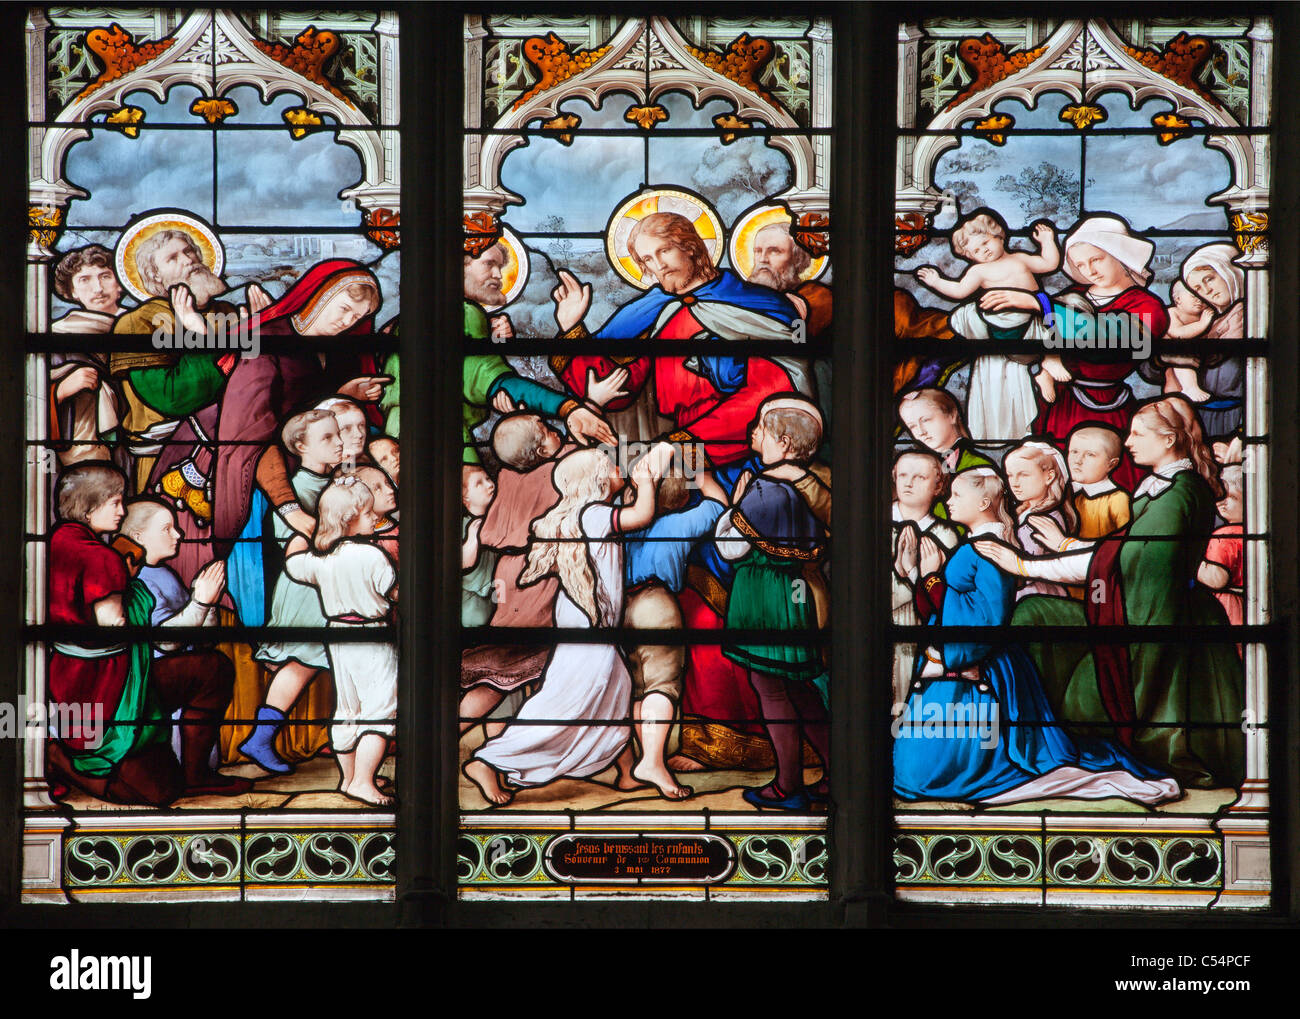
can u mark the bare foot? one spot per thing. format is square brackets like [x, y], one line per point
[485, 777]
[1196, 394]
[383, 783]
[626, 781]
[662, 779]
[367, 792]
[678, 762]
[1046, 385]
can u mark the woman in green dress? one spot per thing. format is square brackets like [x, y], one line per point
[1177, 705]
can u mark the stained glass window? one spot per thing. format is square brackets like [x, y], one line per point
[1070, 436]
[212, 434]
[1081, 483]
[646, 476]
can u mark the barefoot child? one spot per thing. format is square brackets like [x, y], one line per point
[774, 536]
[582, 682]
[1001, 402]
[355, 581]
[655, 558]
[1189, 317]
[313, 437]
[493, 676]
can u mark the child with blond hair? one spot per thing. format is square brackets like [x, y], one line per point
[356, 584]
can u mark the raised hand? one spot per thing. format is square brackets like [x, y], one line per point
[183, 310]
[572, 299]
[1043, 234]
[257, 298]
[927, 274]
[660, 456]
[602, 391]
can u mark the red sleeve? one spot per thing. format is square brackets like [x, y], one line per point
[724, 429]
[929, 596]
[1226, 550]
[103, 573]
[1146, 306]
[572, 371]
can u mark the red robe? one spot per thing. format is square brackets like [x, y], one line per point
[1099, 394]
[82, 570]
[720, 421]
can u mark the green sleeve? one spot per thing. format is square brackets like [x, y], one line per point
[481, 374]
[193, 382]
[391, 402]
[476, 322]
[1163, 549]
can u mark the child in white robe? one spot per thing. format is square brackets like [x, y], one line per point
[357, 583]
[582, 682]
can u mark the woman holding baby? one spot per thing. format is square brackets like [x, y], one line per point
[1212, 275]
[1109, 266]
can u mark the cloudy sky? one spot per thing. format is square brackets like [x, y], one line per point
[584, 182]
[1151, 185]
[265, 177]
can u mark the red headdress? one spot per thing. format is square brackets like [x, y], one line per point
[321, 282]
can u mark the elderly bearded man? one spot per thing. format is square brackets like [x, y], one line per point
[711, 402]
[163, 386]
[779, 263]
[489, 380]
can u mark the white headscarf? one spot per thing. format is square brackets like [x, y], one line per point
[1111, 234]
[1219, 258]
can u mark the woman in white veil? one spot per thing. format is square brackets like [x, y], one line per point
[1211, 273]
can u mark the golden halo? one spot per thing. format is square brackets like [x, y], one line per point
[514, 274]
[626, 216]
[747, 227]
[214, 255]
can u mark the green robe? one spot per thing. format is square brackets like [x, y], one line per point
[391, 402]
[171, 383]
[1173, 684]
[487, 374]
[137, 705]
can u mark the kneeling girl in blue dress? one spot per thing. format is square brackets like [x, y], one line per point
[976, 726]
